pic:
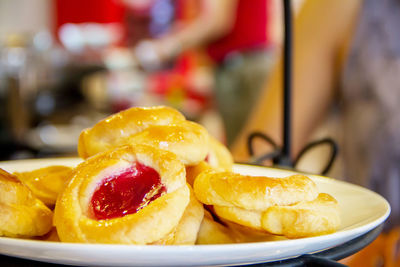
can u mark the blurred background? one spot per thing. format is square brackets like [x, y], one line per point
[66, 64]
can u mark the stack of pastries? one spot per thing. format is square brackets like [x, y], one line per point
[149, 176]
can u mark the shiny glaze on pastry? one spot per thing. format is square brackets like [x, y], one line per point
[289, 206]
[74, 216]
[252, 192]
[188, 140]
[193, 171]
[113, 130]
[46, 183]
[219, 156]
[306, 218]
[21, 213]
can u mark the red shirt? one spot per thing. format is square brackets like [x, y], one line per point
[249, 32]
[78, 11]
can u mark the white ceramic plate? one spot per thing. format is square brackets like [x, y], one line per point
[362, 210]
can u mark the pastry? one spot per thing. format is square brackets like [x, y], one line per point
[188, 140]
[244, 217]
[46, 183]
[51, 236]
[212, 232]
[307, 218]
[189, 225]
[288, 206]
[129, 195]
[193, 171]
[113, 130]
[219, 156]
[251, 192]
[21, 213]
[245, 234]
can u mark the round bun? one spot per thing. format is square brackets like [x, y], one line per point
[306, 218]
[252, 192]
[82, 216]
[188, 140]
[289, 206]
[115, 129]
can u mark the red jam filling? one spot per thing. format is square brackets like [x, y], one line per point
[126, 192]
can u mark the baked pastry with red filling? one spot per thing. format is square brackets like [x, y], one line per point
[129, 195]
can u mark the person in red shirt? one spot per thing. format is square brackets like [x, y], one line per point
[234, 34]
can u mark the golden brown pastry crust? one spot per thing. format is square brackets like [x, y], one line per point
[218, 159]
[306, 218]
[113, 130]
[245, 234]
[188, 140]
[251, 192]
[21, 214]
[51, 236]
[193, 171]
[186, 231]
[248, 218]
[289, 206]
[46, 183]
[72, 215]
[219, 156]
[212, 232]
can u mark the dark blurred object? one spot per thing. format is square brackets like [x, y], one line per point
[19, 82]
[39, 86]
